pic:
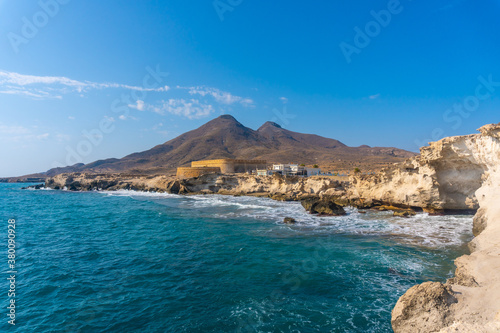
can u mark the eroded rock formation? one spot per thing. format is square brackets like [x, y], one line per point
[445, 176]
[463, 171]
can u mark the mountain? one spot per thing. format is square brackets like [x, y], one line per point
[225, 137]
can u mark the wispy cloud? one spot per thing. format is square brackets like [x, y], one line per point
[33, 93]
[138, 105]
[284, 100]
[126, 117]
[191, 108]
[13, 130]
[16, 133]
[54, 86]
[374, 96]
[220, 96]
[43, 136]
[182, 104]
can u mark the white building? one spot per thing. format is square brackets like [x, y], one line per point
[264, 172]
[312, 172]
[289, 169]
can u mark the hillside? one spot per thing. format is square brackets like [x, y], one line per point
[225, 137]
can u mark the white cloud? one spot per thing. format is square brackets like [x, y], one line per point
[124, 117]
[33, 93]
[53, 86]
[139, 105]
[13, 130]
[374, 96]
[284, 100]
[220, 96]
[23, 80]
[191, 109]
[15, 133]
[43, 136]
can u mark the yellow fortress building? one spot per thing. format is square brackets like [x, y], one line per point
[227, 165]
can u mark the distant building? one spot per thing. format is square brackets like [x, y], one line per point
[232, 165]
[190, 172]
[289, 169]
[227, 165]
[263, 172]
[313, 172]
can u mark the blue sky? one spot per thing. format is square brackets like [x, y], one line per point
[86, 80]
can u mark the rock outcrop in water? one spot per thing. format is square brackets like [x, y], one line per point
[453, 173]
[322, 207]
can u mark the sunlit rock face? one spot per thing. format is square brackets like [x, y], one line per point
[464, 172]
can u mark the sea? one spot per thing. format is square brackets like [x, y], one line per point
[128, 261]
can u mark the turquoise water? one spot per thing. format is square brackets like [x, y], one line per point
[138, 262]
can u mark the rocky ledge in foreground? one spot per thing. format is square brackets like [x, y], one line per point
[466, 171]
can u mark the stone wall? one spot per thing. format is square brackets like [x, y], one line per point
[231, 166]
[190, 172]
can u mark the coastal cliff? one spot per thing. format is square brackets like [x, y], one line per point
[454, 172]
[444, 177]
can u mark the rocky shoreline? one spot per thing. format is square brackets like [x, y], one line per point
[353, 191]
[454, 175]
[325, 190]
